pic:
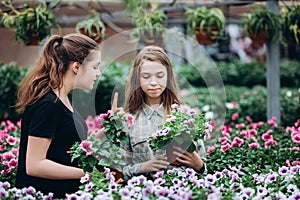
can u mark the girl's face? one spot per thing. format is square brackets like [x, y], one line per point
[153, 80]
[89, 72]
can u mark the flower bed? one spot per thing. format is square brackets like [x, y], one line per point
[246, 160]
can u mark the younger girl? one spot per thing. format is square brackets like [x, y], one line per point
[151, 91]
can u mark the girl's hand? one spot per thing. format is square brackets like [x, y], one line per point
[114, 106]
[189, 159]
[155, 164]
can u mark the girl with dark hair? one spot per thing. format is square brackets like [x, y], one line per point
[50, 125]
[151, 91]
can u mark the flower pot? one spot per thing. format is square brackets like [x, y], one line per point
[33, 40]
[117, 174]
[187, 146]
[204, 37]
[152, 39]
[260, 38]
[94, 35]
[171, 156]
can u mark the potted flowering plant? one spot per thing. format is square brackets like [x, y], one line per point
[183, 127]
[103, 148]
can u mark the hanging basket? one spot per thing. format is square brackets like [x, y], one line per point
[260, 38]
[33, 40]
[204, 37]
[94, 35]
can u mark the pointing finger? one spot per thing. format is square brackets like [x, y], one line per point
[115, 103]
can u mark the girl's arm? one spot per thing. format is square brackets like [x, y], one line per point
[37, 165]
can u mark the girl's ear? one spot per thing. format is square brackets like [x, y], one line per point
[75, 67]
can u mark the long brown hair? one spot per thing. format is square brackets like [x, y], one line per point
[53, 64]
[135, 97]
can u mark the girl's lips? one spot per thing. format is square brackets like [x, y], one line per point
[153, 90]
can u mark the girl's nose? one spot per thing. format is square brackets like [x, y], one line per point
[98, 73]
[153, 80]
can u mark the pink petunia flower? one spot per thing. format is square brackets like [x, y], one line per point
[211, 149]
[248, 119]
[237, 142]
[13, 163]
[267, 136]
[296, 138]
[11, 140]
[254, 145]
[235, 116]
[225, 147]
[87, 147]
[223, 140]
[270, 142]
[242, 125]
[296, 148]
[130, 120]
[272, 122]
[252, 132]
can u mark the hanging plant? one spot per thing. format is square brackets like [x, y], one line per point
[31, 25]
[261, 25]
[207, 23]
[290, 24]
[92, 26]
[149, 24]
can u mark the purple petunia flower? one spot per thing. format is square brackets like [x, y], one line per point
[29, 190]
[89, 186]
[124, 192]
[5, 185]
[72, 197]
[283, 170]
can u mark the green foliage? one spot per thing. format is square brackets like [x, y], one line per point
[10, 75]
[114, 77]
[290, 23]
[250, 102]
[93, 26]
[206, 17]
[262, 19]
[29, 23]
[250, 74]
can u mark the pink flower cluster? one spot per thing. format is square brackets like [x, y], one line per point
[9, 143]
[295, 133]
[248, 132]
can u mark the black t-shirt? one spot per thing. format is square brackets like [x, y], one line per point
[50, 118]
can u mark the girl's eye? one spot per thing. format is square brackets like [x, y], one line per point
[145, 76]
[160, 75]
[96, 67]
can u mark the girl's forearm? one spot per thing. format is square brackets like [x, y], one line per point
[52, 170]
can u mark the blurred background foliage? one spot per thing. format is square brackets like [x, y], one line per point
[245, 84]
